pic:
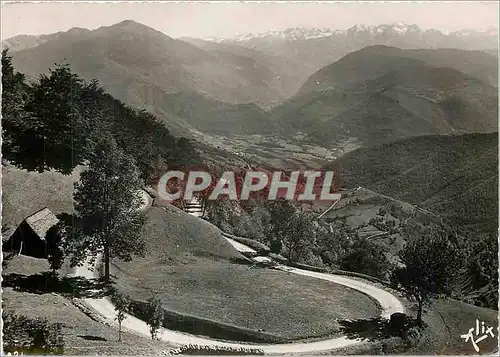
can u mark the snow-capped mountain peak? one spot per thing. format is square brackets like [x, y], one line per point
[395, 30]
[293, 33]
[470, 32]
[303, 33]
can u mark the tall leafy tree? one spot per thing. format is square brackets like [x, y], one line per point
[333, 241]
[14, 94]
[483, 268]
[55, 122]
[56, 134]
[55, 253]
[432, 263]
[48, 125]
[366, 257]
[298, 235]
[107, 208]
[122, 306]
[281, 211]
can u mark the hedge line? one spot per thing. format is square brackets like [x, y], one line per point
[259, 247]
[205, 327]
[284, 261]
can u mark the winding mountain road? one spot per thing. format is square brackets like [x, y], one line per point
[389, 304]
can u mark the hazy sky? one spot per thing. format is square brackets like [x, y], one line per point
[228, 19]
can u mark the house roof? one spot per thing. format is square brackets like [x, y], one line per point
[42, 221]
[7, 233]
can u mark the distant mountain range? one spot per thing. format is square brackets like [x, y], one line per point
[398, 29]
[139, 65]
[316, 48]
[263, 68]
[413, 123]
[472, 39]
[380, 94]
[374, 61]
[331, 86]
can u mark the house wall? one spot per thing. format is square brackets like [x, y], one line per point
[31, 245]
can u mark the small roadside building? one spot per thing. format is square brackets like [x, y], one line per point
[29, 237]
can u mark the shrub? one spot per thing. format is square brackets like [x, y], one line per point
[433, 261]
[393, 345]
[122, 306]
[24, 335]
[412, 335]
[313, 260]
[154, 316]
[367, 258]
[276, 246]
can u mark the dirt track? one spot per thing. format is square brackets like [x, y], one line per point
[388, 303]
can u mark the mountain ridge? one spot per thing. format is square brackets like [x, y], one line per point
[201, 85]
[294, 33]
[357, 63]
[316, 48]
[381, 93]
[140, 66]
[440, 173]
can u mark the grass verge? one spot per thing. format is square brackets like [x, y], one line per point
[82, 334]
[189, 266]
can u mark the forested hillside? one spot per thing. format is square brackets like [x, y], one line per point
[455, 176]
[55, 122]
[381, 94]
